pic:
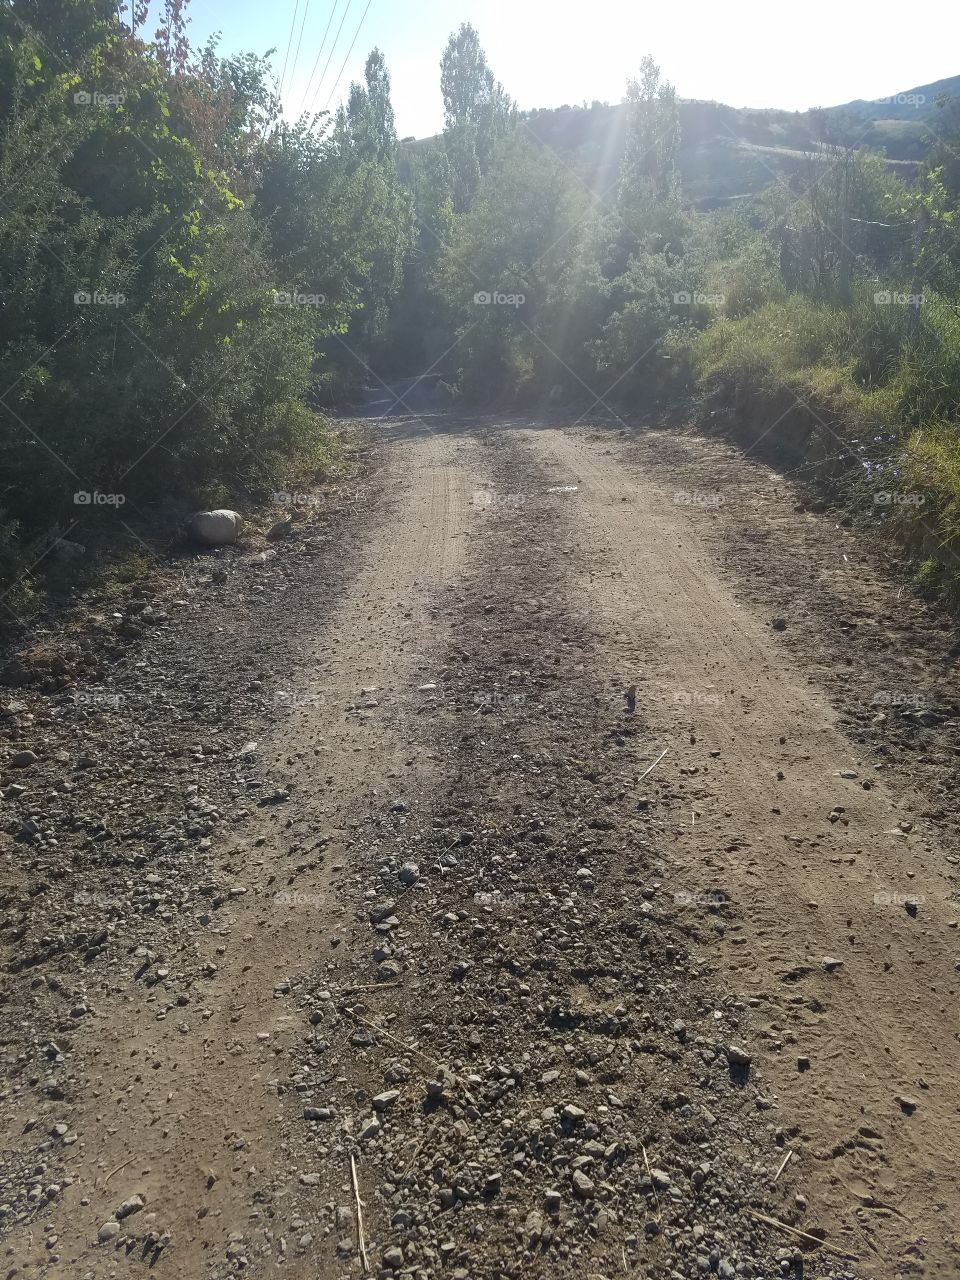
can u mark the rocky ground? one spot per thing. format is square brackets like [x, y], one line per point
[530, 865]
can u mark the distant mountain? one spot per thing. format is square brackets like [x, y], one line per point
[728, 154]
[912, 104]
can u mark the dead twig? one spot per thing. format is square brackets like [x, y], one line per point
[375, 1026]
[783, 1164]
[356, 1197]
[801, 1235]
[654, 765]
[117, 1169]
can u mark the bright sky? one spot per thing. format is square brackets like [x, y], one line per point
[755, 53]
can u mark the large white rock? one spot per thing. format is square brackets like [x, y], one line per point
[215, 528]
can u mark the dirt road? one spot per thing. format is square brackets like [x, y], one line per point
[542, 863]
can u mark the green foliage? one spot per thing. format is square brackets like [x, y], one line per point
[177, 266]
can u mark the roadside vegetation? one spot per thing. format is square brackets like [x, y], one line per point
[189, 279]
[180, 271]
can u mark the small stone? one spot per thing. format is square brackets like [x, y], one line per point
[831, 963]
[133, 1204]
[23, 759]
[738, 1056]
[393, 1257]
[907, 1104]
[370, 1129]
[409, 873]
[383, 1101]
[551, 1202]
[109, 1231]
[582, 1185]
[317, 1113]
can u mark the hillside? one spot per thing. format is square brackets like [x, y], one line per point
[727, 153]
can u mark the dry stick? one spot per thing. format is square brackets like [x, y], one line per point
[117, 1169]
[410, 1049]
[802, 1235]
[356, 1196]
[783, 1165]
[396, 1040]
[654, 765]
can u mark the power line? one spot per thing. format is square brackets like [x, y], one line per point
[320, 50]
[349, 51]
[283, 73]
[330, 54]
[293, 69]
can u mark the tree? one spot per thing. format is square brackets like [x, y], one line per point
[477, 111]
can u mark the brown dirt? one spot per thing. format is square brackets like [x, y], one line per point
[433, 673]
